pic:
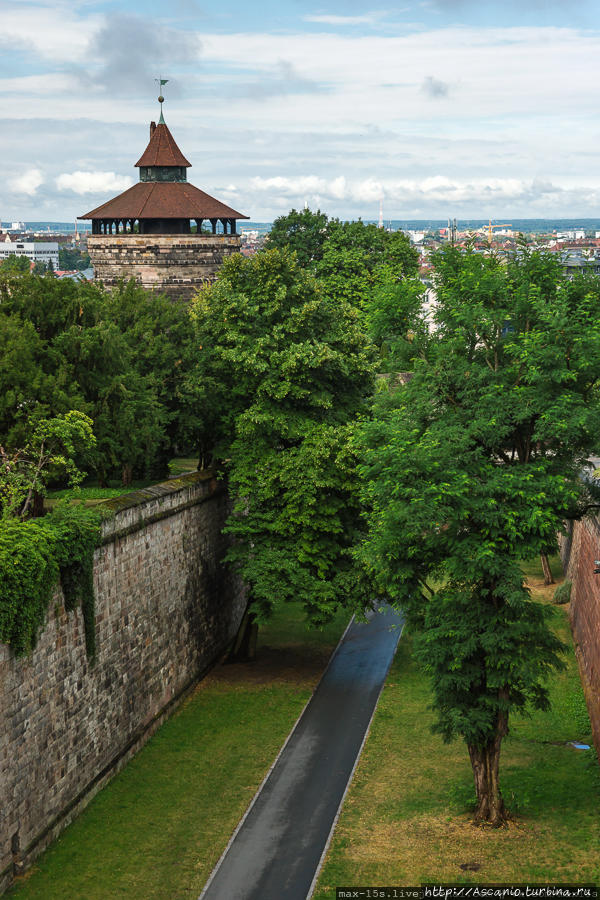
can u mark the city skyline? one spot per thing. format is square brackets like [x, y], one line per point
[439, 107]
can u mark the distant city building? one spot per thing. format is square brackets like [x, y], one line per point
[416, 237]
[576, 235]
[146, 232]
[36, 251]
[575, 263]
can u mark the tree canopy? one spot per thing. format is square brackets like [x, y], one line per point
[73, 258]
[352, 259]
[51, 450]
[296, 371]
[358, 258]
[121, 358]
[303, 232]
[474, 465]
[14, 264]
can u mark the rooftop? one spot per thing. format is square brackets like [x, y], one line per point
[163, 200]
[162, 192]
[162, 149]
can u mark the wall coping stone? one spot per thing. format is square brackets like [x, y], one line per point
[135, 510]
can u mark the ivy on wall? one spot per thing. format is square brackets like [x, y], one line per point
[34, 555]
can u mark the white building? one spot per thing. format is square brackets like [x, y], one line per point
[576, 235]
[36, 251]
[415, 236]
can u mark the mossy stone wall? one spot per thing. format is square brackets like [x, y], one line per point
[165, 609]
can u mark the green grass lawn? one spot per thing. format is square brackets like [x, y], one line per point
[157, 830]
[406, 818]
[92, 493]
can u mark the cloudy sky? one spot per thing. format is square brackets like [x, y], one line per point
[467, 108]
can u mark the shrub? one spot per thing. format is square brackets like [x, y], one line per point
[562, 594]
[33, 556]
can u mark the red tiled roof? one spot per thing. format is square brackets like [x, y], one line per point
[162, 150]
[163, 200]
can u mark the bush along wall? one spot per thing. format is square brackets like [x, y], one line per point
[34, 555]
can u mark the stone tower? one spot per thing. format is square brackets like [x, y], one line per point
[146, 232]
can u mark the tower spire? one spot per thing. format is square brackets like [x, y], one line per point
[161, 99]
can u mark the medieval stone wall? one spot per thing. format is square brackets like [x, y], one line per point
[165, 610]
[176, 265]
[579, 550]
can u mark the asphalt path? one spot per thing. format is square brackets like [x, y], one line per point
[276, 851]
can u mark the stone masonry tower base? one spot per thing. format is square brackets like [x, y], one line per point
[175, 265]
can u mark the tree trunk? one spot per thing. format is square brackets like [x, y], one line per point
[126, 474]
[38, 505]
[548, 578]
[485, 762]
[244, 646]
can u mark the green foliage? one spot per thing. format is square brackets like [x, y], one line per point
[121, 358]
[291, 370]
[162, 341]
[562, 594]
[352, 259]
[303, 232]
[32, 556]
[28, 574]
[78, 535]
[50, 452]
[474, 464]
[72, 258]
[14, 264]
[358, 259]
[396, 324]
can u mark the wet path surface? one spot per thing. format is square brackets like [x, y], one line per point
[277, 849]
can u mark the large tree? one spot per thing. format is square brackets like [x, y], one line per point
[304, 232]
[292, 369]
[472, 466]
[358, 259]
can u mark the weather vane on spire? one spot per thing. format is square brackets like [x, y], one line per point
[161, 99]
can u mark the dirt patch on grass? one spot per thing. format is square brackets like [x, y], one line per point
[292, 664]
[455, 847]
[543, 592]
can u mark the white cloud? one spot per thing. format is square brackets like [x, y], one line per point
[28, 182]
[345, 20]
[499, 71]
[93, 182]
[51, 34]
[431, 195]
[301, 186]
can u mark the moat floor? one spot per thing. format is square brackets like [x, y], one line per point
[277, 849]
